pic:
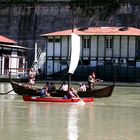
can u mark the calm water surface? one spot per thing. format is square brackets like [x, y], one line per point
[113, 118]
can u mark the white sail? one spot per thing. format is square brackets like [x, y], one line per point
[75, 52]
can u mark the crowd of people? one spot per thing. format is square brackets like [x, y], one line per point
[71, 92]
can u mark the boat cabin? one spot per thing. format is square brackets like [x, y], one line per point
[109, 51]
[12, 58]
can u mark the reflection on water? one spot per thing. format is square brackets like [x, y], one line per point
[73, 123]
[114, 118]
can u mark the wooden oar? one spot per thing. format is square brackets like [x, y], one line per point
[81, 101]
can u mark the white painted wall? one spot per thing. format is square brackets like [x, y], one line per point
[64, 46]
[13, 63]
[57, 49]
[56, 66]
[49, 67]
[101, 46]
[124, 43]
[116, 48]
[108, 52]
[93, 46]
[132, 47]
[50, 49]
[86, 52]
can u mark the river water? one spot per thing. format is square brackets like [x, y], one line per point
[113, 118]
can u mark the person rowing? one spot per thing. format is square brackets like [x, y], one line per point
[44, 92]
[72, 93]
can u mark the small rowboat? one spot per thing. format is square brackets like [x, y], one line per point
[55, 99]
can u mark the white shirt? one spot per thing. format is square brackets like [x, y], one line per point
[64, 87]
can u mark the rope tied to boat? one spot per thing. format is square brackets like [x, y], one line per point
[4, 93]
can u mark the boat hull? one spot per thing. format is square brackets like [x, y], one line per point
[24, 89]
[57, 99]
[97, 93]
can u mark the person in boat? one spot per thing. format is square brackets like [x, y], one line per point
[64, 87]
[82, 87]
[32, 75]
[92, 81]
[51, 87]
[44, 92]
[96, 81]
[71, 94]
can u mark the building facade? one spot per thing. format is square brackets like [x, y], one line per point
[112, 52]
[12, 57]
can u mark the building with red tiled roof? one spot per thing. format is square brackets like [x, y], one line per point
[12, 57]
[121, 31]
[110, 51]
[4, 39]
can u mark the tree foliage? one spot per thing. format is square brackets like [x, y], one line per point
[104, 8]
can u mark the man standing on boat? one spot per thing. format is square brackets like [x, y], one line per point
[92, 81]
[32, 75]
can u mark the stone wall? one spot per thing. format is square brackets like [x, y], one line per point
[25, 22]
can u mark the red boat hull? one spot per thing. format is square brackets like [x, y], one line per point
[57, 99]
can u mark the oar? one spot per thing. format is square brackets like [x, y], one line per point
[6, 92]
[81, 101]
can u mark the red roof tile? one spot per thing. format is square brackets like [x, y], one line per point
[130, 31]
[6, 40]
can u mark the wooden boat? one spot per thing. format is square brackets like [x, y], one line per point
[96, 93]
[22, 89]
[55, 99]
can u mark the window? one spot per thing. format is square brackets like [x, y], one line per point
[21, 53]
[51, 40]
[109, 43]
[57, 40]
[86, 62]
[6, 52]
[86, 42]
